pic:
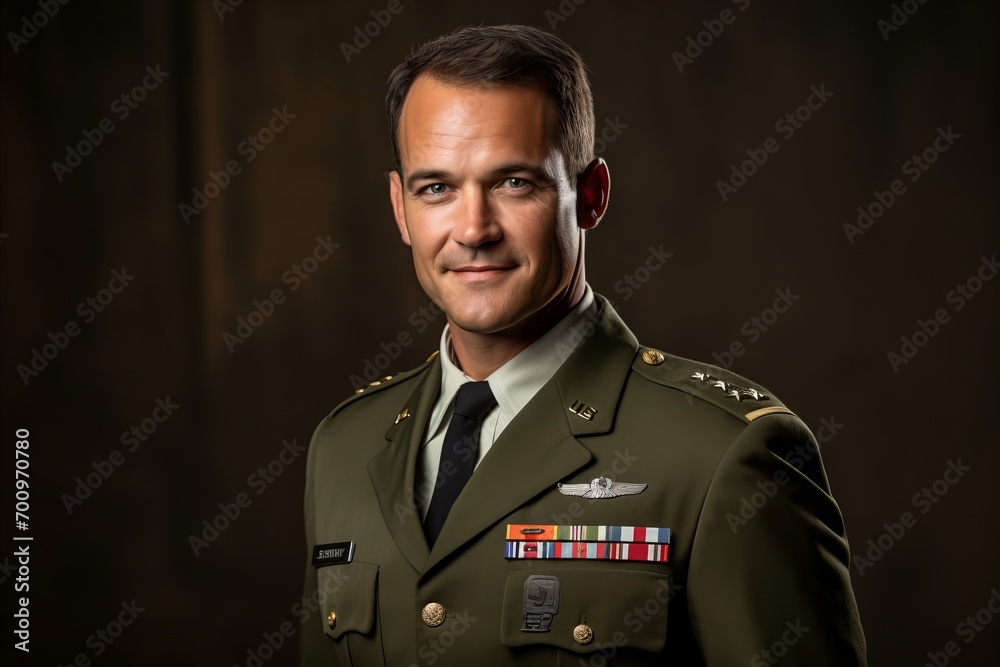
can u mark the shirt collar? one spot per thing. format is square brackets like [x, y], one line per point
[518, 380]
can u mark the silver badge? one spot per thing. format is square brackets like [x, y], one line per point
[732, 390]
[540, 603]
[601, 487]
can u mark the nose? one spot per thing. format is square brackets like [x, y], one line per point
[478, 224]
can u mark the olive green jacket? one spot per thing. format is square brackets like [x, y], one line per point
[758, 558]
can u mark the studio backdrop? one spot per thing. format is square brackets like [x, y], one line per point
[200, 262]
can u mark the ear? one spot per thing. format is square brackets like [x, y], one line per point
[396, 197]
[593, 188]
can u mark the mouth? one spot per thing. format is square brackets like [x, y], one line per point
[481, 273]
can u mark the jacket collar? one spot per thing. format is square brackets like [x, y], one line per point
[539, 448]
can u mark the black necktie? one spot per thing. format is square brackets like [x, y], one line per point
[459, 452]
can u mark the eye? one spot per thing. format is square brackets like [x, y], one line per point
[515, 182]
[435, 193]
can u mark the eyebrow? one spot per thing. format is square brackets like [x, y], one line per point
[536, 171]
[425, 175]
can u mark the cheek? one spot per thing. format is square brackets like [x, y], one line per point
[563, 241]
[568, 240]
[544, 235]
[425, 241]
[424, 257]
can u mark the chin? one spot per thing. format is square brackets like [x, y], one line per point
[480, 325]
[485, 321]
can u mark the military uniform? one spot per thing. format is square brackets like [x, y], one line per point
[717, 540]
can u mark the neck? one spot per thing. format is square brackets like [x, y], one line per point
[479, 354]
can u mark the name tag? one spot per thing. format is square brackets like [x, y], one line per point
[335, 553]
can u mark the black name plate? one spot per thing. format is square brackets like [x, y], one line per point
[335, 553]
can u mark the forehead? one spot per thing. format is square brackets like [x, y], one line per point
[440, 119]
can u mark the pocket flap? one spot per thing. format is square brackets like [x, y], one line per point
[349, 593]
[621, 607]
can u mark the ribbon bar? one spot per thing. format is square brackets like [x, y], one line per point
[542, 533]
[546, 550]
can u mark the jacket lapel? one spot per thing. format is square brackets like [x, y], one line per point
[540, 447]
[393, 470]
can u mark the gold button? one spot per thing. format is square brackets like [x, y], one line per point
[331, 619]
[652, 357]
[582, 634]
[433, 614]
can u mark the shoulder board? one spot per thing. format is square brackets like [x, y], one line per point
[735, 394]
[383, 383]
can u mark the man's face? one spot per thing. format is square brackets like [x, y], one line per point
[486, 204]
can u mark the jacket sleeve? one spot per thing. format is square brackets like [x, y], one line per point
[769, 572]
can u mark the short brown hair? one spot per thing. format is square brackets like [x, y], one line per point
[505, 54]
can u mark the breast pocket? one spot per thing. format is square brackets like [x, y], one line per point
[350, 611]
[620, 614]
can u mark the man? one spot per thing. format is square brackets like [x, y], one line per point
[545, 491]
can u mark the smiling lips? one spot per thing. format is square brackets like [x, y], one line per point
[481, 273]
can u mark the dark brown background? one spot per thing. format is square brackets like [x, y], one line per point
[324, 176]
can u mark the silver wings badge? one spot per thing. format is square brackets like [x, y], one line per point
[601, 487]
